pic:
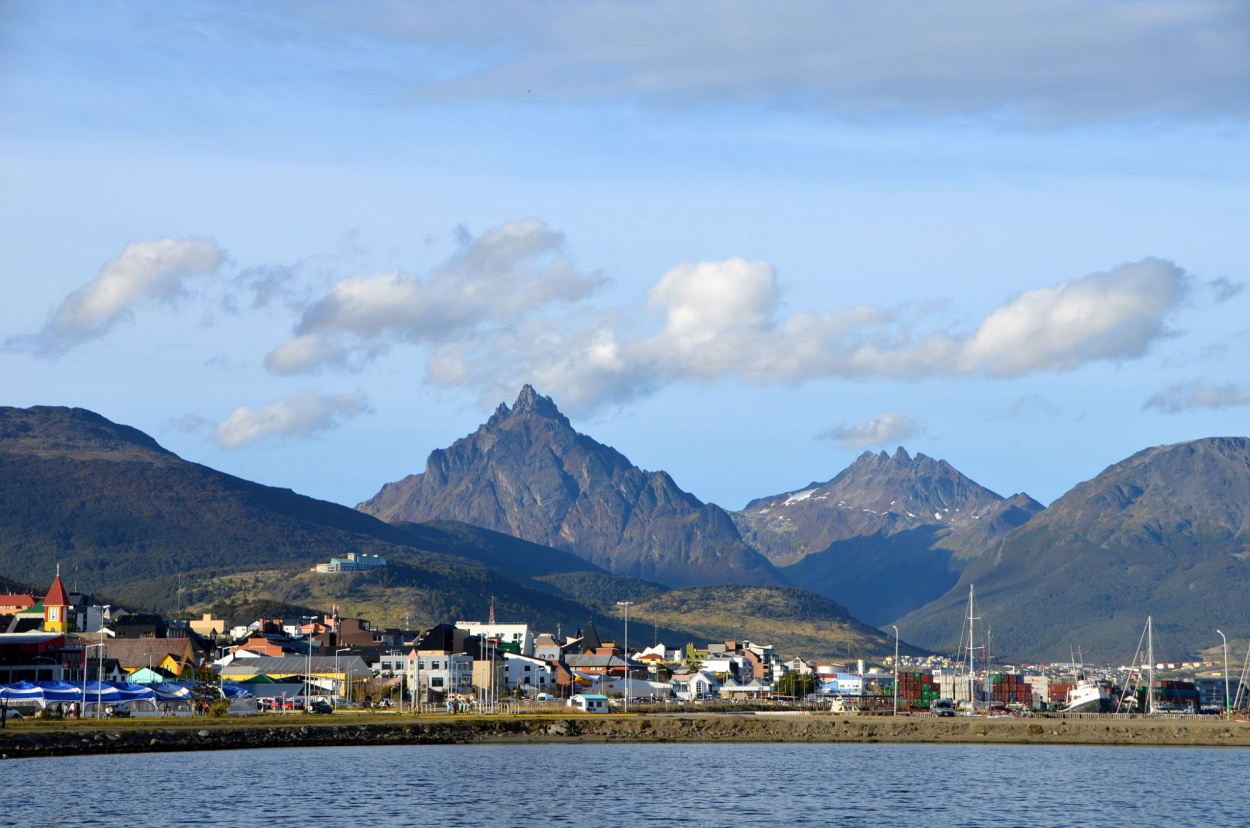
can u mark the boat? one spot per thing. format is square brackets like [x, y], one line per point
[1087, 696]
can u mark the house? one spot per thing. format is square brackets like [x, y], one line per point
[532, 675]
[753, 689]
[691, 686]
[210, 627]
[511, 637]
[547, 648]
[731, 666]
[173, 655]
[589, 702]
[329, 673]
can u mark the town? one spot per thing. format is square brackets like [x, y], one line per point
[63, 654]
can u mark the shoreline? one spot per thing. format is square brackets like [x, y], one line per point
[30, 740]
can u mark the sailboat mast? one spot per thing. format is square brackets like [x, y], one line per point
[1150, 666]
[972, 656]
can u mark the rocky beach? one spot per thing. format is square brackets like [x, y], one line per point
[39, 739]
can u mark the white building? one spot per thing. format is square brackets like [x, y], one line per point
[433, 673]
[533, 675]
[737, 667]
[690, 686]
[517, 634]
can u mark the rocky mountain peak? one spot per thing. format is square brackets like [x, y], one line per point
[529, 474]
[528, 403]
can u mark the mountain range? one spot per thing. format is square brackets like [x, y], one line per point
[129, 521]
[558, 527]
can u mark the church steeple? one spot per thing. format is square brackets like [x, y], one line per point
[56, 606]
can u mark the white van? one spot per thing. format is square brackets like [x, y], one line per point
[544, 697]
[942, 707]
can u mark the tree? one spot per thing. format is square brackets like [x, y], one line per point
[793, 683]
[205, 690]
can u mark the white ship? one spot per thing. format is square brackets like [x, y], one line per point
[1087, 696]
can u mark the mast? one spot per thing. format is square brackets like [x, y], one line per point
[1150, 666]
[972, 648]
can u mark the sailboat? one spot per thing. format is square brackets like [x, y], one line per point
[1129, 699]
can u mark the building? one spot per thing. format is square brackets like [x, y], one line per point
[531, 675]
[589, 702]
[513, 637]
[354, 562]
[56, 607]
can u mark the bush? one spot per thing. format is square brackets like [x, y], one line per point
[219, 708]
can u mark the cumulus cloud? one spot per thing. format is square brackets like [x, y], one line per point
[505, 309]
[1057, 60]
[888, 428]
[1174, 399]
[499, 279]
[721, 318]
[146, 272]
[305, 414]
[1112, 315]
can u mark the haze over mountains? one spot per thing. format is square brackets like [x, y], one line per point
[558, 527]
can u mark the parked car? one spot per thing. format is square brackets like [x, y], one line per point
[942, 707]
[10, 713]
[320, 706]
[544, 697]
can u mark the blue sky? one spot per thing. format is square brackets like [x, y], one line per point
[307, 243]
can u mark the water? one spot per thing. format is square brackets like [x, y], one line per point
[933, 786]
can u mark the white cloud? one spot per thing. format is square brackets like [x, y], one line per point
[888, 428]
[1112, 315]
[1175, 399]
[1055, 60]
[146, 272]
[302, 415]
[503, 311]
[504, 277]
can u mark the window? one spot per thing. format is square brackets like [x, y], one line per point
[436, 681]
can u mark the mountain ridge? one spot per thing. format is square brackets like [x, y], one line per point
[528, 473]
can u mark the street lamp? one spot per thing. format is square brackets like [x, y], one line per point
[626, 605]
[338, 681]
[99, 674]
[1227, 710]
[895, 669]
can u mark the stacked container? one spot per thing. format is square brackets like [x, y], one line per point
[917, 690]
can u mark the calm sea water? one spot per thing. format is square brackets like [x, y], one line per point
[629, 785]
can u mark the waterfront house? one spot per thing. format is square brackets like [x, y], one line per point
[589, 702]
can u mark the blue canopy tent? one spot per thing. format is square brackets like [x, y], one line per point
[22, 691]
[60, 691]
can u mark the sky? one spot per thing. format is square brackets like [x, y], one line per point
[743, 243]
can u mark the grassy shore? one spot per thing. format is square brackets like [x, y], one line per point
[33, 738]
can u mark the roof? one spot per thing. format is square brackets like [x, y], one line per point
[584, 660]
[56, 596]
[32, 637]
[133, 653]
[295, 666]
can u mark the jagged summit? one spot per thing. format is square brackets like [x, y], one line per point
[528, 402]
[526, 472]
[885, 535]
